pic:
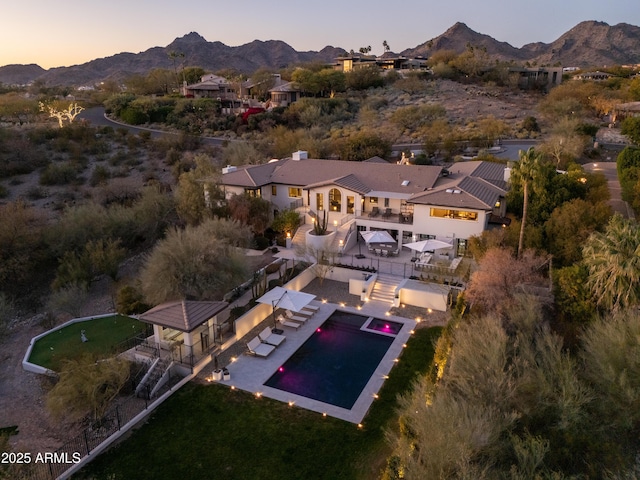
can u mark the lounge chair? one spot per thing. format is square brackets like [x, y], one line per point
[387, 213]
[375, 211]
[286, 323]
[270, 338]
[259, 349]
[313, 308]
[297, 318]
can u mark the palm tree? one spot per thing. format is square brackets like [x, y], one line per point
[613, 261]
[523, 174]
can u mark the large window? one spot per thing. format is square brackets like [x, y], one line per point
[319, 201]
[295, 192]
[335, 200]
[351, 204]
[274, 190]
[454, 214]
[253, 192]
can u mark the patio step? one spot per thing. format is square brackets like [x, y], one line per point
[299, 239]
[384, 289]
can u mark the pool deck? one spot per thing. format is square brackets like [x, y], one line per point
[249, 373]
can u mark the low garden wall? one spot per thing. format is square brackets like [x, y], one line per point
[31, 367]
[257, 314]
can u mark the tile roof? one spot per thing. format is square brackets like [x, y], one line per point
[185, 315]
[384, 177]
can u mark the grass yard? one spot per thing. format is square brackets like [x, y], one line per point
[210, 431]
[104, 334]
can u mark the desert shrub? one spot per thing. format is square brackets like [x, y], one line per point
[3, 191]
[129, 300]
[59, 174]
[37, 193]
[100, 175]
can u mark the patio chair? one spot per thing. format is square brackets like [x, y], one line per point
[375, 211]
[259, 349]
[286, 323]
[297, 318]
[387, 213]
[270, 338]
[313, 308]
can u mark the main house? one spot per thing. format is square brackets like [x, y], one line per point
[412, 202]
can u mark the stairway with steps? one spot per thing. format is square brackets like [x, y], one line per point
[384, 289]
[299, 239]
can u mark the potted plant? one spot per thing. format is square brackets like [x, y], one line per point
[226, 375]
[217, 372]
[319, 238]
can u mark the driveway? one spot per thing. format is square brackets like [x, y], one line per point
[609, 170]
[96, 117]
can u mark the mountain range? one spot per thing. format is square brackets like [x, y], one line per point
[589, 44]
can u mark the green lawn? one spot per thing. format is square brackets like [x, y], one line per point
[212, 432]
[104, 335]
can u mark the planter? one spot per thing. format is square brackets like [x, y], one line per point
[226, 375]
[320, 242]
[216, 375]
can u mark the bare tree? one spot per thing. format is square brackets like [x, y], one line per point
[70, 113]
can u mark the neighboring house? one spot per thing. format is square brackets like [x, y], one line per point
[538, 77]
[412, 202]
[624, 110]
[284, 94]
[210, 86]
[593, 76]
[387, 62]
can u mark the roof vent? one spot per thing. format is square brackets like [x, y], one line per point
[449, 190]
[405, 183]
[456, 191]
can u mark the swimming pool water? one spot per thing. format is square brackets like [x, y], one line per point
[334, 365]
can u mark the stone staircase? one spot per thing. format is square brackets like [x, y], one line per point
[150, 381]
[299, 239]
[384, 289]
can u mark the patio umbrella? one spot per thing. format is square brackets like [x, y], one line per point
[377, 236]
[280, 297]
[428, 245]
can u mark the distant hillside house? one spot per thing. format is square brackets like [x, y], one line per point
[593, 76]
[284, 94]
[624, 110]
[354, 62]
[412, 202]
[538, 77]
[210, 86]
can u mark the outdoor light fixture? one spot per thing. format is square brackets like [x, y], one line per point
[396, 360]
[288, 234]
[375, 395]
[233, 387]
[258, 394]
[429, 310]
[360, 425]
[324, 414]
[281, 369]
[418, 319]
[291, 403]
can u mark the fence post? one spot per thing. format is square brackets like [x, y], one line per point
[118, 416]
[86, 441]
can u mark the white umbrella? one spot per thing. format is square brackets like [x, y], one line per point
[428, 245]
[280, 297]
[377, 236]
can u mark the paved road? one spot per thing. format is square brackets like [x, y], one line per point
[609, 169]
[96, 117]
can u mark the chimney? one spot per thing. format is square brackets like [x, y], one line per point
[507, 173]
[299, 155]
[228, 169]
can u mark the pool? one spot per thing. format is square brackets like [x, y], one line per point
[334, 365]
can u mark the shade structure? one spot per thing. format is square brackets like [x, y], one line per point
[280, 297]
[428, 245]
[377, 236]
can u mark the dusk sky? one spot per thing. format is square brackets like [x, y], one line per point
[53, 34]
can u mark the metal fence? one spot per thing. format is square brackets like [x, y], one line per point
[78, 447]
